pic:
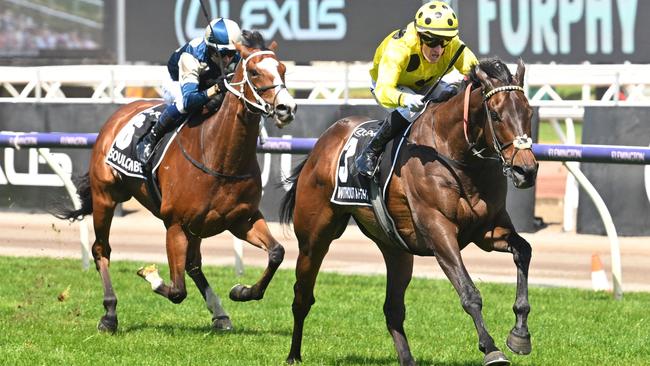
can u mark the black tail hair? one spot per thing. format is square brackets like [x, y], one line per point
[289, 200]
[61, 209]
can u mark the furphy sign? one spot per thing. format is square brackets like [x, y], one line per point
[565, 31]
[306, 30]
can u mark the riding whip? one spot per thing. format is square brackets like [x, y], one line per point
[451, 64]
[207, 17]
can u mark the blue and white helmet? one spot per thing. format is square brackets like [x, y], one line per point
[222, 34]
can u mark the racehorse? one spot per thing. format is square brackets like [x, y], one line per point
[209, 182]
[448, 189]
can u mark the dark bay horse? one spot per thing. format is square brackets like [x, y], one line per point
[448, 189]
[220, 190]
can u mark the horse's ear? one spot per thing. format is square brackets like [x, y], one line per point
[273, 46]
[484, 78]
[521, 72]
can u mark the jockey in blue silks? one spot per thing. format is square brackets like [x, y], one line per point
[203, 60]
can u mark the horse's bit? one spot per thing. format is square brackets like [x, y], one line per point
[266, 109]
[521, 142]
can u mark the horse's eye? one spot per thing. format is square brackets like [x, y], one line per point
[495, 116]
[254, 73]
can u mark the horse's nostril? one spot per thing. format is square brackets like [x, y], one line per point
[282, 108]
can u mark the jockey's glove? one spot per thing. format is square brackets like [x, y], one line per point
[413, 102]
[211, 91]
[218, 87]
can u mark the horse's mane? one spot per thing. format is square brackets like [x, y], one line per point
[494, 68]
[253, 39]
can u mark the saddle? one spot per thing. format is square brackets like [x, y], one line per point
[352, 188]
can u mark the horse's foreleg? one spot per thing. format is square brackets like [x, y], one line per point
[507, 240]
[449, 258]
[220, 319]
[177, 243]
[256, 232]
[519, 337]
[103, 209]
[399, 270]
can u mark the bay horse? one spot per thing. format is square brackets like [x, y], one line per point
[448, 189]
[220, 189]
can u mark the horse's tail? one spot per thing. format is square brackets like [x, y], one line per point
[62, 210]
[289, 200]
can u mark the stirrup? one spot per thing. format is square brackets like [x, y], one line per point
[143, 152]
[367, 172]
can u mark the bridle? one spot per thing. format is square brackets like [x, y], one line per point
[521, 142]
[262, 106]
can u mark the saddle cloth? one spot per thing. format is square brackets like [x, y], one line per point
[351, 188]
[122, 154]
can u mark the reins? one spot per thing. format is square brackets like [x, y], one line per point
[264, 108]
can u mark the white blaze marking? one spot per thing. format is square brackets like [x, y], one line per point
[271, 65]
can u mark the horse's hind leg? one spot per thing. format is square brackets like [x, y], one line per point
[256, 232]
[505, 240]
[314, 238]
[103, 210]
[220, 319]
[177, 243]
[399, 270]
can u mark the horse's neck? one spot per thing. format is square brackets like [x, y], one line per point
[229, 137]
[444, 130]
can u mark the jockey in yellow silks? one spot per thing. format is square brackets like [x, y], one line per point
[406, 64]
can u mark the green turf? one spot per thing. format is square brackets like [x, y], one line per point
[345, 327]
[547, 134]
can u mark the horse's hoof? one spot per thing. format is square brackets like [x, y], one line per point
[519, 344]
[222, 323]
[495, 358]
[107, 324]
[293, 360]
[242, 293]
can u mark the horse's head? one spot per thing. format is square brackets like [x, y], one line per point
[261, 83]
[507, 122]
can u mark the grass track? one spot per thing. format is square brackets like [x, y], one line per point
[345, 326]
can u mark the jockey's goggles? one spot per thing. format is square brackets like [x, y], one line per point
[228, 53]
[434, 42]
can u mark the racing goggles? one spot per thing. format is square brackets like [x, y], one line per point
[433, 42]
[227, 52]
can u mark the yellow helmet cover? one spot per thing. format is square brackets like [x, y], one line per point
[436, 18]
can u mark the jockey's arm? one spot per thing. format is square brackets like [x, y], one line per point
[189, 68]
[391, 66]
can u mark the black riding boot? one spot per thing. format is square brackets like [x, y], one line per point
[165, 123]
[394, 124]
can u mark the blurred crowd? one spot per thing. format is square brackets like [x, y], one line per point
[22, 34]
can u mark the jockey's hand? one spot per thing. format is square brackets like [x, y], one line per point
[413, 102]
[218, 87]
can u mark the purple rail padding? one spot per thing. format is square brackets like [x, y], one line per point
[593, 153]
[50, 139]
[302, 145]
[296, 145]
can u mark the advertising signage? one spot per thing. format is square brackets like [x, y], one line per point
[539, 31]
[563, 31]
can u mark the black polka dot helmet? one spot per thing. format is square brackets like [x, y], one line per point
[436, 19]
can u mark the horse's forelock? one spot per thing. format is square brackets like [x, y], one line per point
[495, 69]
[253, 39]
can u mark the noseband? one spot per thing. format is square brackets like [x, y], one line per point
[522, 142]
[266, 109]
